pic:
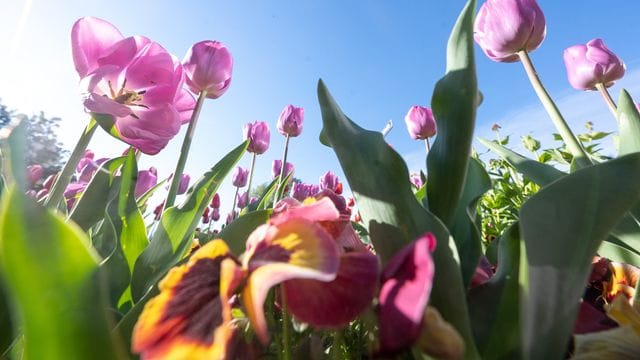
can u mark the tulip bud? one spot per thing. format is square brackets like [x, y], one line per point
[205, 216]
[277, 167]
[48, 182]
[34, 173]
[215, 202]
[215, 214]
[239, 178]
[208, 66]
[184, 184]
[242, 200]
[505, 27]
[146, 180]
[420, 122]
[329, 181]
[258, 135]
[591, 64]
[290, 121]
[416, 180]
[158, 211]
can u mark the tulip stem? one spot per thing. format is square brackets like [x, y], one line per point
[427, 146]
[253, 164]
[286, 322]
[63, 179]
[184, 152]
[574, 146]
[235, 201]
[608, 99]
[282, 169]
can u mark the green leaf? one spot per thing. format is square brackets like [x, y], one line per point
[53, 280]
[619, 253]
[465, 230]
[628, 124]
[90, 208]
[172, 238]
[266, 197]
[495, 305]
[390, 210]
[538, 172]
[562, 226]
[236, 233]
[6, 324]
[454, 105]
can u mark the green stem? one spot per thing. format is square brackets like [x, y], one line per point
[235, 199]
[253, 165]
[63, 179]
[574, 146]
[282, 169]
[426, 144]
[184, 152]
[286, 322]
[608, 99]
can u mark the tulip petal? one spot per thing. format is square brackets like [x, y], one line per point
[406, 286]
[297, 249]
[335, 304]
[150, 130]
[185, 321]
[184, 103]
[90, 39]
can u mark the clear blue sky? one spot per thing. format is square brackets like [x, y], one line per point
[377, 57]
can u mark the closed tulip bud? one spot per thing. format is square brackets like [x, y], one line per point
[215, 202]
[258, 135]
[239, 178]
[205, 216]
[290, 121]
[416, 180]
[215, 214]
[505, 27]
[277, 167]
[242, 200]
[184, 183]
[208, 66]
[34, 173]
[420, 122]
[146, 180]
[591, 64]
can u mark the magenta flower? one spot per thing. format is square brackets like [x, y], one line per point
[86, 158]
[184, 184]
[134, 81]
[591, 64]
[215, 214]
[215, 201]
[146, 180]
[239, 177]
[406, 286]
[258, 135]
[420, 122]
[505, 27]
[34, 173]
[416, 180]
[290, 121]
[277, 167]
[329, 181]
[242, 200]
[208, 66]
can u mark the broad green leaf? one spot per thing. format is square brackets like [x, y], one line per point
[6, 325]
[91, 206]
[628, 124]
[172, 238]
[454, 103]
[390, 210]
[142, 200]
[495, 305]
[265, 198]
[236, 233]
[540, 173]
[464, 229]
[562, 226]
[619, 253]
[52, 277]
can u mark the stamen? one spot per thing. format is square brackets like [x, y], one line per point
[113, 94]
[121, 91]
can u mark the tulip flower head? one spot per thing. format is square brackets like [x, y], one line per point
[34, 173]
[215, 201]
[208, 66]
[420, 122]
[184, 184]
[277, 167]
[240, 176]
[591, 64]
[329, 181]
[258, 135]
[134, 82]
[505, 27]
[290, 121]
[146, 180]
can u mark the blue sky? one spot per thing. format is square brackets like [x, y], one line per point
[377, 57]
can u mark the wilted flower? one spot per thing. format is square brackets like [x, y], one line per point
[146, 180]
[134, 81]
[208, 66]
[239, 177]
[591, 64]
[505, 27]
[420, 122]
[258, 135]
[290, 121]
[277, 167]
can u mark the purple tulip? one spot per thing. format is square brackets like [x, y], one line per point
[89, 169]
[34, 173]
[134, 81]
[240, 176]
[300, 191]
[416, 180]
[184, 184]
[147, 179]
[215, 201]
[215, 214]
[73, 192]
[406, 286]
[258, 135]
[48, 182]
[420, 122]
[505, 27]
[329, 181]
[86, 158]
[591, 64]
[208, 66]
[290, 121]
[277, 167]
[242, 200]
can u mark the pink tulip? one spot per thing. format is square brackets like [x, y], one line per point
[505, 27]
[290, 121]
[416, 180]
[89, 169]
[134, 81]
[86, 158]
[240, 176]
[34, 173]
[147, 179]
[591, 64]
[258, 135]
[406, 286]
[277, 167]
[420, 122]
[208, 66]
[184, 184]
